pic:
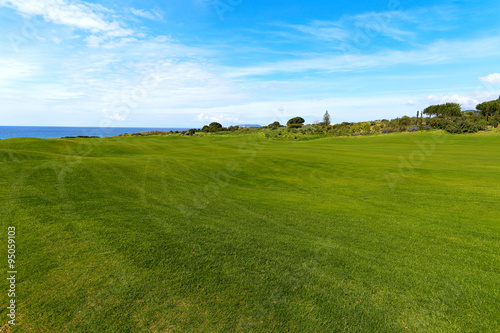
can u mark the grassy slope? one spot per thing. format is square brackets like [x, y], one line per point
[244, 234]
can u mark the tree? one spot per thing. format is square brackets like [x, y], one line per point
[405, 121]
[214, 127]
[431, 110]
[274, 125]
[444, 110]
[488, 108]
[295, 122]
[453, 110]
[495, 119]
[326, 118]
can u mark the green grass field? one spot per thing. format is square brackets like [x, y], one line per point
[389, 233]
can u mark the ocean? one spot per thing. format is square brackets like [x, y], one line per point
[55, 132]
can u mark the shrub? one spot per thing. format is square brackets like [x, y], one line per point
[483, 123]
[413, 128]
[274, 125]
[405, 121]
[439, 123]
[355, 128]
[365, 127]
[394, 123]
[464, 126]
[495, 120]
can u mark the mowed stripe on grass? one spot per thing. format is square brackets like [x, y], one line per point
[240, 233]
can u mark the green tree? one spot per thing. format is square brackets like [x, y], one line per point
[295, 122]
[495, 119]
[274, 125]
[444, 110]
[326, 118]
[405, 121]
[214, 127]
[452, 110]
[488, 108]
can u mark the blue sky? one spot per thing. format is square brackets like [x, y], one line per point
[185, 63]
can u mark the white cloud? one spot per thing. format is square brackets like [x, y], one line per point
[12, 70]
[94, 41]
[467, 101]
[119, 43]
[77, 14]
[154, 15]
[218, 117]
[321, 29]
[354, 27]
[55, 92]
[341, 109]
[74, 14]
[163, 39]
[492, 78]
[454, 98]
[115, 116]
[441, 52]
[184, 84]
[381, 23]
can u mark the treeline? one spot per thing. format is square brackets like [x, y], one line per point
[295, 127]
[211, 128]
[448, 117]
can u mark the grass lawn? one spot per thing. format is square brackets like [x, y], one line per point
[389, 233]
